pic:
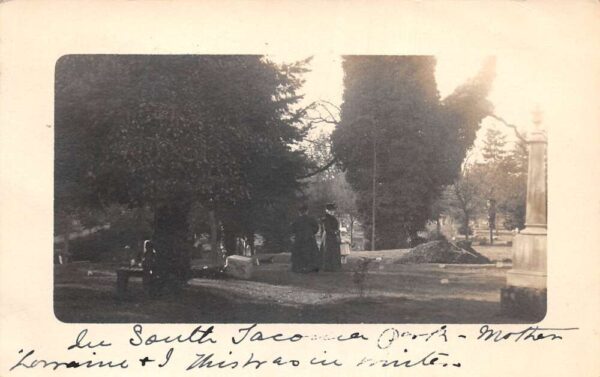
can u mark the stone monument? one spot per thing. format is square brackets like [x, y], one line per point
[240, 267]
[525, 293]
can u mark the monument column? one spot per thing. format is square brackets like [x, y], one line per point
[525, 292]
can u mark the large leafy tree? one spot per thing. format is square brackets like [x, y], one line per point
[464, 199]
[501, 176]
[505, 175]
[168, 131]
[399, 142]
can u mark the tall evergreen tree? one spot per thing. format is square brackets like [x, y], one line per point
[494, 146]
[167, 131]
[399, 143]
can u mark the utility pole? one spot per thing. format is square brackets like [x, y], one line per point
[374, 188]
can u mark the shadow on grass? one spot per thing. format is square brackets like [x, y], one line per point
[74, 304]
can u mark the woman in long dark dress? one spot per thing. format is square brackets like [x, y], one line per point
[330, 244]
[304, 249]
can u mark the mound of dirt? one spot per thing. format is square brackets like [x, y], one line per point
[442, 252]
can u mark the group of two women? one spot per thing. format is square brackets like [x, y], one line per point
[307, 256]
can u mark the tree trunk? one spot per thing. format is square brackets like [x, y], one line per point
[171, 243]
[229, 240]
[466, 227]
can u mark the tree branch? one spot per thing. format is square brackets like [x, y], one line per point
[319, 170]
[317, 120]
[320, 106]
[329, 111]
[501, 120]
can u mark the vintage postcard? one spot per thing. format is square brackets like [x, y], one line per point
[299, 187]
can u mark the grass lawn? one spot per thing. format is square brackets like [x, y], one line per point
[394, 293]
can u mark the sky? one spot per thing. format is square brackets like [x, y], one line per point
[517, 89]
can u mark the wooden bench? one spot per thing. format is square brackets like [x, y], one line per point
[123, 275]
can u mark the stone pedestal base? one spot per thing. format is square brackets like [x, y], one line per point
[529, 260]
[525, 303]
[525, 293]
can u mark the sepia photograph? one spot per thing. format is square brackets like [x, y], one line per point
[298, 189]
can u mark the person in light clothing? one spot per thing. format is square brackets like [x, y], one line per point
[330, 240]
[345, 245]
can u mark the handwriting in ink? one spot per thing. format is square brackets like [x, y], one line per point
[532, 333]
[210, 360]
[258, 335]
[80, 342]
[353, 336]
[254, 362]
[206, 361]
[279, 361]
[198, 335]
[389, 335]
[29, 363]
[167, 357]
[324, 362]
[432, 359]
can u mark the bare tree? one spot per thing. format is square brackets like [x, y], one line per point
[465, 194]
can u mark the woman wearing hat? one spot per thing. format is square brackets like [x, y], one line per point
[304, 249]
[330, 240]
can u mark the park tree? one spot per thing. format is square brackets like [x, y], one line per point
[271, 167]
[329, 184]
[501, 176]
[494, 146]
[318, 187]
[464, 199]
[319, 152]
[399, 143]
[167, 132]
[504, 172]
[512, 185]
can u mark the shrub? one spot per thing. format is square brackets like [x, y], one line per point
[360, 274]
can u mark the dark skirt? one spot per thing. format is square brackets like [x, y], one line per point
[305, 255]
[331, 255]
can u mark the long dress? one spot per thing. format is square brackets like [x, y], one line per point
[330, 245]
[305, 252]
